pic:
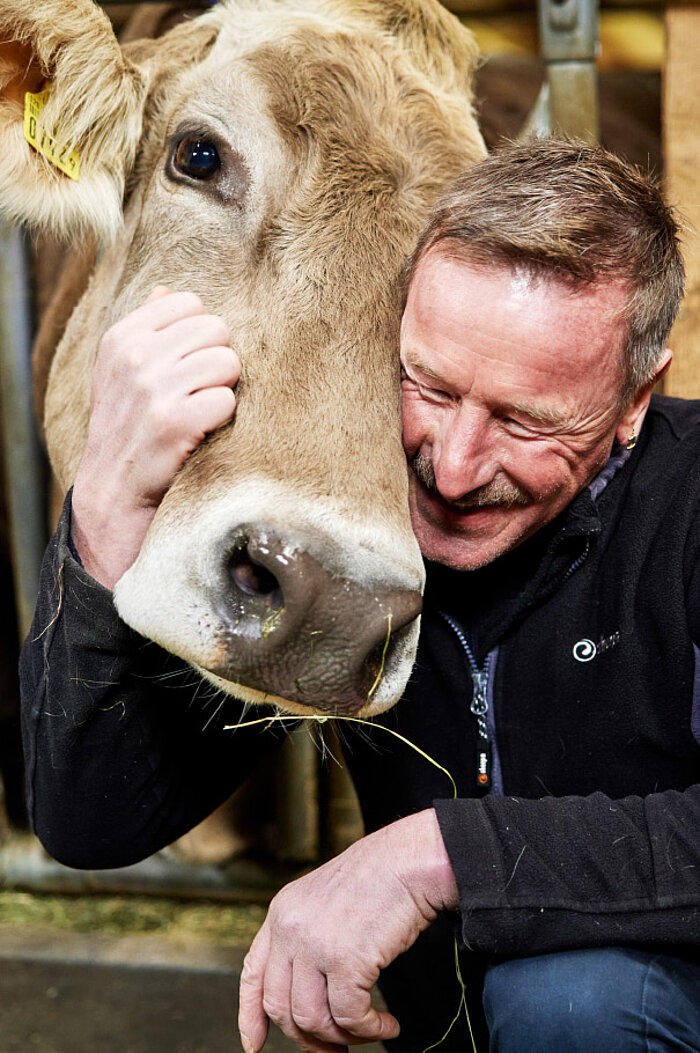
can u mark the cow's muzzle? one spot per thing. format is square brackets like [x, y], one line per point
[296, 631]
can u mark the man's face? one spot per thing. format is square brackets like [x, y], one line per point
[510, 402]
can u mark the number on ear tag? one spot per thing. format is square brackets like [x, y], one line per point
[68, 161]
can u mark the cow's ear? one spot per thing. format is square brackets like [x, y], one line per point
[438, 44]
[87, 117]
[151, 21]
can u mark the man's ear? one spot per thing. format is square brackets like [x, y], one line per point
[94, 108]
[630, 422]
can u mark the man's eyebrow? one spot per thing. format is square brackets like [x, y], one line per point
[549, 415]
[542, 414]
[414, 362]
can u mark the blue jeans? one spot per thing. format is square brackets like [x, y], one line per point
[613, 1000]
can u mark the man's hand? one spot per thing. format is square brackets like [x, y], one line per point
[315, 960]
[163, 379]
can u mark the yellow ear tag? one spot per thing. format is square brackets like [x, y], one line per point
[37, 136]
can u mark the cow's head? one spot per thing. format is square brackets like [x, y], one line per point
[281, 562]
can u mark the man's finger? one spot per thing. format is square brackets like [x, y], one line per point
[263, 982]
[309, 1005]
[160, 311]
[352, 1010]
[252, 1020]
[209, 367]
[208, 410]
[189, 334]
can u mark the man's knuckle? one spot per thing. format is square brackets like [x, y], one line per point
[349, 1021]
[313, 1023]
[335, 961]
[162, 418]
[157, 413]
[347, 1015]
[140, 379]
[276, 1009]
[282, 914]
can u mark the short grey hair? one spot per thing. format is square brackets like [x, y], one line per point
[573, 213]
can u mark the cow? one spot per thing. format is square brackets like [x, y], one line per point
[277, 158]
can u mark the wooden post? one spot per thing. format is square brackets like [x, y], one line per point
[681, 132]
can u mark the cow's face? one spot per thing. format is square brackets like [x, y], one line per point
[288, 156]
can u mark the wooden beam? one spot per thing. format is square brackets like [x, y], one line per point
[681, 135]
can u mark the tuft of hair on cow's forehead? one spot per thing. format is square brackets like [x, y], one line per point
[434, 46]
[439, 46]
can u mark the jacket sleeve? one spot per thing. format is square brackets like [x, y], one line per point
[536, 876]
[125, 746]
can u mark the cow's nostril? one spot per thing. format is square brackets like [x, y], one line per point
[254, 580]
[296, 630]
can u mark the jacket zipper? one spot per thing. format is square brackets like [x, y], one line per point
[577, 562]
[479, 707]
[487, 770]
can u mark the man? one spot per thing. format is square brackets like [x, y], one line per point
[555, 674]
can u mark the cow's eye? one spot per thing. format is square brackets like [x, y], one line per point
[197, 158]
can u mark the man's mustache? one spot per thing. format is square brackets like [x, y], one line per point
[499, 492]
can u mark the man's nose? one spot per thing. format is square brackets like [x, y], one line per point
[464, 458]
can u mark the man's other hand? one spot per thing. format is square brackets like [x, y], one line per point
[312, 966]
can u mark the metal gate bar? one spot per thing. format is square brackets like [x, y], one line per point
[569, 46]
[24, 462]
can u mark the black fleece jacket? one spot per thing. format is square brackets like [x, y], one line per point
[587, 831]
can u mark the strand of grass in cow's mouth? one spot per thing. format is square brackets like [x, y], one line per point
[431, 760]
[380, 674]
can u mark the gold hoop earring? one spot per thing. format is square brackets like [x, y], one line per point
[632, 442]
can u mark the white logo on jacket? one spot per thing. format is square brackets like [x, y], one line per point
[586, 650]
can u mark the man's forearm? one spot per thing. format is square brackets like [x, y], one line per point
[122, 757]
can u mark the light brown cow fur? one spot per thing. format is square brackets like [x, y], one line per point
[344, 119]
[339, 236]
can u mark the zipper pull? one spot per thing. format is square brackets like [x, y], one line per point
[479, 700]
[479, 708]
